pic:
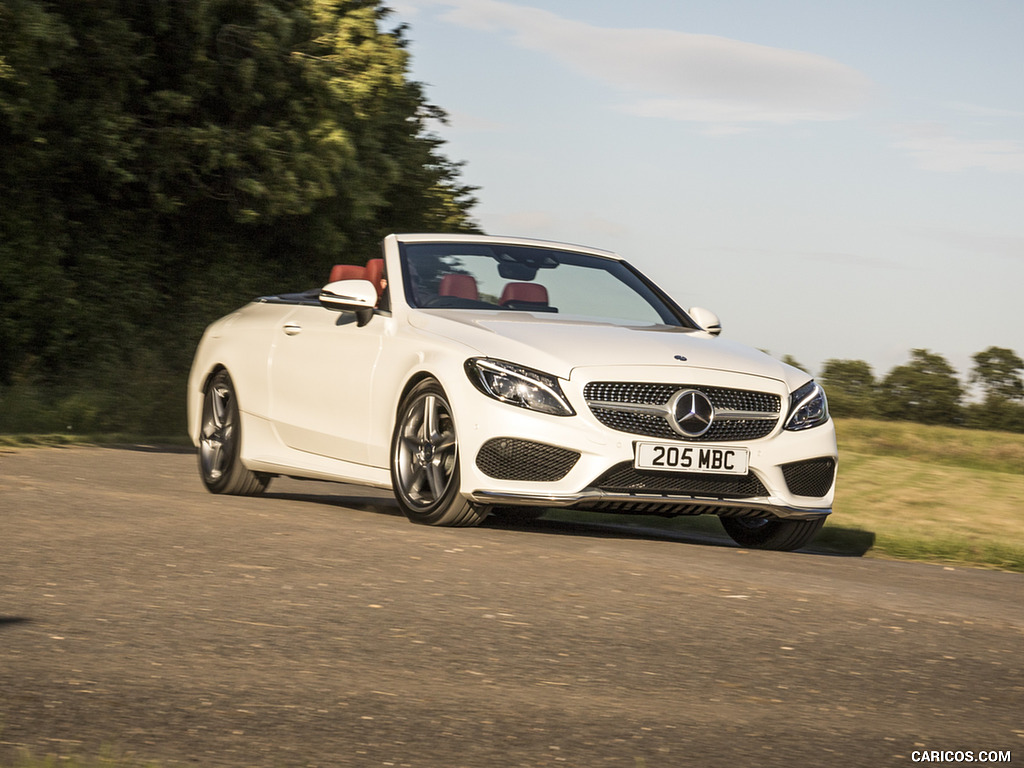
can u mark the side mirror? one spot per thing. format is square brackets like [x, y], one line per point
[357, 296]
[706, 319]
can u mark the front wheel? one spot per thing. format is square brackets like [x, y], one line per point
[220, 441]
[425, 461]
[782, 535]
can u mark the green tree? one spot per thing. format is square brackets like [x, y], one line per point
[850, 385]
[163, 162]
[925, 390]
[997, 371]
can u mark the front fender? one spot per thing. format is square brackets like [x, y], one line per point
[408, 358]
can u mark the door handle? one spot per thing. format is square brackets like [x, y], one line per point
[292, 328]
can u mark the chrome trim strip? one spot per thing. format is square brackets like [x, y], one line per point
[729, 415]
[595, 495]
[723, 414]
[609, 405]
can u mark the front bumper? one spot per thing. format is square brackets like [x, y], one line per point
[601, 450]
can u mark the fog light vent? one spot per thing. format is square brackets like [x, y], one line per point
[810, 478]
[505, 458]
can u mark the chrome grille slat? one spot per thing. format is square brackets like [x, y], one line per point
[659, 410]
[641, 408]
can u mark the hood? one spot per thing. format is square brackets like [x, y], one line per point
[559, 346]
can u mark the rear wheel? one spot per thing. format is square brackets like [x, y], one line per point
[783, 535]
[425, 461]
[220, 441]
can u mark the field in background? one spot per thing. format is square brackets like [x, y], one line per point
[905, 490]
[910, 491]
[933, 493]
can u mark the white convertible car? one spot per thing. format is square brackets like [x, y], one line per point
[481, 375]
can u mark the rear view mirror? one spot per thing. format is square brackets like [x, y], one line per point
[706, 319]
[357, 296]
[514, 270]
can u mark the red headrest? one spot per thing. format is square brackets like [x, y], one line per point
[462, 286]
[375, 273]
[347, 272]
[531, 292]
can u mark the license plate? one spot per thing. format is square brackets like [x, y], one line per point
[692, 458]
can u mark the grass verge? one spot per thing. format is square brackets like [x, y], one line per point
[106, 759]
[905, 491]
[933, 493]
[909, 492]
[58, 440]
[986, 450]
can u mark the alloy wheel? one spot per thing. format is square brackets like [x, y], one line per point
[427, 450]
[216, 441]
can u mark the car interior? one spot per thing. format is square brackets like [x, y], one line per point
[521, 296]
[373, 271]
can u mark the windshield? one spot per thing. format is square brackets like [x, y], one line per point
[479, 276]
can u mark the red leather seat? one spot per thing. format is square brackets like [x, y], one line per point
[347, 272]
[375, 274]
[461, 286]
[533, 293]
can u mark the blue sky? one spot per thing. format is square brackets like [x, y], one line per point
[838, 179]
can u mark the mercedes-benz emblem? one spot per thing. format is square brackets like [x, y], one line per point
[691, 413]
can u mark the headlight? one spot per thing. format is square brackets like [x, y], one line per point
[520, 386]
[808, 407]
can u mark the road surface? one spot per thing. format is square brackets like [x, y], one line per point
[315, 626]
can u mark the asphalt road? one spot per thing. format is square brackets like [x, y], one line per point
[316, 627]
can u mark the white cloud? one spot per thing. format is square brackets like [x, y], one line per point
[978, 110]
[678, 75]
[978, 244]
[935, 149]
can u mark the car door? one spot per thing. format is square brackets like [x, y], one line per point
[321, 371]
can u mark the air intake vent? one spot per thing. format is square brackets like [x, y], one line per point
[810, 478]
[506, 458]
[623, 478]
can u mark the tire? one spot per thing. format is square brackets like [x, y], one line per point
[425, 461]
[220, 442]
[780, 535]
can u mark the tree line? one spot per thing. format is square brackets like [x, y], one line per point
[927, 390]
[162, 162]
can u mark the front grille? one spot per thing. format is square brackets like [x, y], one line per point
[506, 458]
[649, 424]
[655, 424]
[659, 394]
[813, 477]
[624, 478]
